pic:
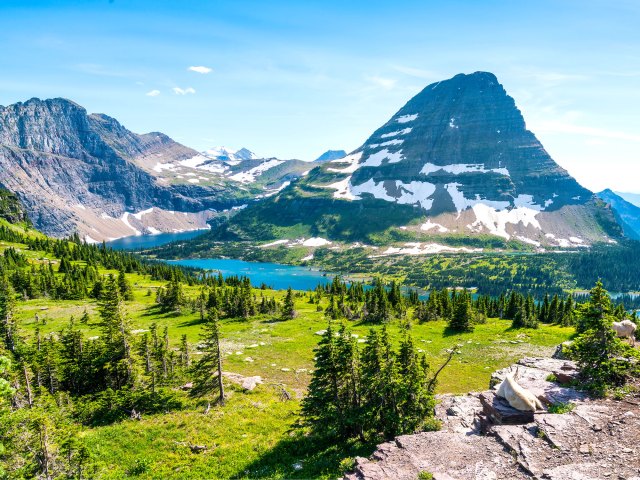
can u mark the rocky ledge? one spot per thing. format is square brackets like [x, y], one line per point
[483, 438]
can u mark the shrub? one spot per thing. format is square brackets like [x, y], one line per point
[561, 407]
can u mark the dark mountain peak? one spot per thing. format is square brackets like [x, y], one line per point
[331, 155]
[458, 143]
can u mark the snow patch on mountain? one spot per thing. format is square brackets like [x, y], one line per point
[496, 220]
[458, 168]
[141, 213]
[376, 159]
[125, 220]
[407, 118]
[388, 143]
[250, 175]
[342, 189]
[417, 248]
[462, 203]
[352, 161]
[404, 131]
[411, 193]
[429, 225]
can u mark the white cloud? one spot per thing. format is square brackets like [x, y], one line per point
[418, 72]
[153, 93]
[386, 83]
[200, 69]
[183, 91]
[562, 127]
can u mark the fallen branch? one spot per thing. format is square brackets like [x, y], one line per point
[432, 383]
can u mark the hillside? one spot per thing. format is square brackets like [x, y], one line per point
[627, 214]
[257, 433]
[457, 159]
[86, 173]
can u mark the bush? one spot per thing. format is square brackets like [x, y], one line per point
[561, 407]
[142, 465]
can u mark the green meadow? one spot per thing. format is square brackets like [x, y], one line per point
[258, 434]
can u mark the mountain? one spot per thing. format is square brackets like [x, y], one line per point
[457, 159]
[633, 198]
[331, 155]
[75, 171]
[627, 213]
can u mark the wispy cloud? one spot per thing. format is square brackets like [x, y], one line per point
[153, 93]
[183, 91]
[563, 127]
[418, 72]
[200, 69]
[383, 82]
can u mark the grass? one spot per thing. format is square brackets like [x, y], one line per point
[257, 434]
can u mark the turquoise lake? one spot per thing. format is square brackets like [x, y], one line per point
[149, 241]
[274, 275]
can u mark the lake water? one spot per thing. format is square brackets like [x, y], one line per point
[274, 275]
[149, 241]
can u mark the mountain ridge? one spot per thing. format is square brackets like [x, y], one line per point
[87, 173]
[457, 158]
[627, 214]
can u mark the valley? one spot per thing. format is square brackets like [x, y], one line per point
[167, 312]
[257, 433]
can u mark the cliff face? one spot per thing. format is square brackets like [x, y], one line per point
[465, 142]
[11, 209]
[74, 171]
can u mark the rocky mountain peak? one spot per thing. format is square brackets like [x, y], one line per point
[458, 143]
[456, 159]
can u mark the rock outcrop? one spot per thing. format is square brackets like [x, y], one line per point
[482, 438]
[11, 209]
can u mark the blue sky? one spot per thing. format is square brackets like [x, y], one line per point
[294, 78]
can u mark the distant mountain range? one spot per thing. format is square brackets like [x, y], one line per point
[86, 173]
[456, 160]
[627, 214]
[633, 198]
[331, 155]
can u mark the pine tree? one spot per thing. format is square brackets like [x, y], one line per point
[288, 307]
[208, 370]
[126, 291]
[114, 326]
[462, 319]
[8, 324]
[380, 385]
[323, 406]
[603, 359]
[416, 401]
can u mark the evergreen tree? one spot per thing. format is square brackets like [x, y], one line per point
[288, 307]
[114, 327]
[416, 400]
[604, 360]
[462, 319]
[208, 370]
[126, 291]
[8, 323]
